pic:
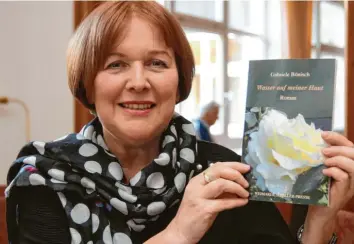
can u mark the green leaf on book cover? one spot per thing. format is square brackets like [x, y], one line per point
[309, 181]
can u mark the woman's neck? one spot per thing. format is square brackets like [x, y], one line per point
[132, 158]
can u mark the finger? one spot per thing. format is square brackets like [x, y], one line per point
[336, 139]
[230, 171]
[240, 167]
[339, 151]
[228, 174]
[218, 205]
[215, 188]
[337, 174]
[341, 162]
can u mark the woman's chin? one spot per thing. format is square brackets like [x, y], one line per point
[136, 138]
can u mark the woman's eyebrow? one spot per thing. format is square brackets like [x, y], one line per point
[159, 52]
[117, 54]
[148, 53]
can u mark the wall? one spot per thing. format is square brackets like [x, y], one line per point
[33, 41]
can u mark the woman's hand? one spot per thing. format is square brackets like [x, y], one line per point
[340, 163]
[202, 201]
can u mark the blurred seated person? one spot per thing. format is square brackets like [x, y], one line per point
[208, 116]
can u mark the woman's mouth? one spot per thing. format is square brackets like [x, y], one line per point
[137, 106]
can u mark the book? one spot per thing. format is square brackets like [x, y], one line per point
[289, 103]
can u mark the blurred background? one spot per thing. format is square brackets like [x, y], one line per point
[224, 36]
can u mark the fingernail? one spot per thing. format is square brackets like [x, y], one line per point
[325, 134]
[326, 150]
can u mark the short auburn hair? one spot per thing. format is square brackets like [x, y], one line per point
[94, 38]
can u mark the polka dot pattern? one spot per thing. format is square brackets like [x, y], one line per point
[119, 205]
[62, 199]
[75, 236]
[94, 138]
[173, 130]
[60, 138]
[80, 213]
[167, 140]
[93, 167]
[155, 208]
[124, 188]
[30, 160]
[101, 142]
[187, 154]
[39, 146]
[121, 238]
[126, 196]
[115, 170]
[135, 227]
[56, 174]
[55, 181]
[95, 223]
[155, 180]
[88, 132]
[160, 190]
[88, 150]
[80, 137]
[135, 179]
[180, 181]
[87, 183]
[81, 164]
[174, 156]
[36, 179]
[107, 237]
[189, 128]
[163, 159]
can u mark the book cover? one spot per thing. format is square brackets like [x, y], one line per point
[289, 103]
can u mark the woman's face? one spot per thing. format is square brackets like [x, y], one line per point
[136, 91]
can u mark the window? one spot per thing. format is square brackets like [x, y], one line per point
[241, 49]
[247, 16]
[224, 36]
[208, 80]
[328, 41]
[212, 9]
[332, 15]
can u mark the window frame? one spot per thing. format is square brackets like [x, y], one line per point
[323, 48]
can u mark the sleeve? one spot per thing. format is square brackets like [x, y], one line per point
[256, 223]
[41, 217]
[204, 133]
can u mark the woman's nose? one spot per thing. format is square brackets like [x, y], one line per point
[137, 78]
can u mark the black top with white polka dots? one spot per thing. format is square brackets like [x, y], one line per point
[73, 190]
[42, 219]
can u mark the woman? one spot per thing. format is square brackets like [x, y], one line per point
[134, 173]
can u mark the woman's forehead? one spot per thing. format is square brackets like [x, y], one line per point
[141, 35]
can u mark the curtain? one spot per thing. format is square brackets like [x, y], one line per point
[299, 28]
[81, 10]
[345, 218]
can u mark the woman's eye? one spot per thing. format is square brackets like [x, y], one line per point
[158, 63]
[116, 65]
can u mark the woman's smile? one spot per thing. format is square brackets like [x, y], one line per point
[137, 108]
